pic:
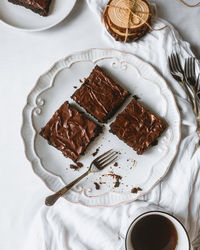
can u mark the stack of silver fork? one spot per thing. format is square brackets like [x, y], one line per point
[190, 82]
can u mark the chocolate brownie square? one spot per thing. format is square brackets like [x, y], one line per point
[99, 95]
[40, 7]
[70, 131]
[137, 127]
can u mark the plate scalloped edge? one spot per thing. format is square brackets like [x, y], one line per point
[27, 131]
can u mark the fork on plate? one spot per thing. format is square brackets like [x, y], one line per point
[96, 165]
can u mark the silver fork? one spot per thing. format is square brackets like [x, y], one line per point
[189, 71]
[190, 76]
[178, 73]
[191, 80]
[97, 165]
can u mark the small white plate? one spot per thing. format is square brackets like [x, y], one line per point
[144, 171]
[24, 19]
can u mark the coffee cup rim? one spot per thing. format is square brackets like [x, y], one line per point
[159, 212]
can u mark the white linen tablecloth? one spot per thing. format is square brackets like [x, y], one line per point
[25, 222]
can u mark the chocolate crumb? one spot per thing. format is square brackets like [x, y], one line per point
[134, 190]
[117, 183]
[77, 166]
[134, 162]
[96, 152]
[97, 186]
[102, 182]
[114, 176]
[136, 97]
[117, 178]
[73, 166]
[80, 81]
[116, 164]
[75, 87]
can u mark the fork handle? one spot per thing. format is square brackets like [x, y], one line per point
[51, 200]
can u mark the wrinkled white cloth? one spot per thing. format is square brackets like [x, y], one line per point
[67, 226]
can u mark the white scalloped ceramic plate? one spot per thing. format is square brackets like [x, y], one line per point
[18, 17]
[57, 85]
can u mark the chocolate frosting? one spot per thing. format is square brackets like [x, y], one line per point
[137, 127]
[100, 95]
[40, 4]
[70, 131]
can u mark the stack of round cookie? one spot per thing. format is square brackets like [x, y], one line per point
[127, 20]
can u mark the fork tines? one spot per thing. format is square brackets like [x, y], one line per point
[105, 159]
[189, 71]
[174, 63]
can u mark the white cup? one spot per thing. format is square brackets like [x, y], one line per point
[183, 242]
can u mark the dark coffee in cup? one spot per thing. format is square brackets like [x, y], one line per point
[154, 232]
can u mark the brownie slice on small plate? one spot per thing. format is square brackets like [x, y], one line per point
[40, 7]
[99, 95]
[70, 131]
[137, 127]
